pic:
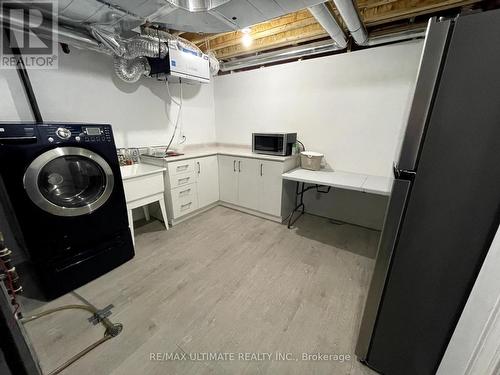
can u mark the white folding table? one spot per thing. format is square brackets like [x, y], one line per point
[325, 178]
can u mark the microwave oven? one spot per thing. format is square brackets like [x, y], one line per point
[273, 143]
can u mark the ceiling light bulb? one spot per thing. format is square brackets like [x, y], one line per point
[246, 30]
[246, 40]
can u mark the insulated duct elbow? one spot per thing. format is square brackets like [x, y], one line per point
[131, 70]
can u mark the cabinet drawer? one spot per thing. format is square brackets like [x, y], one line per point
[142, 187]
[184, 200]
[181, 179]
[184, 192]
[178, 167]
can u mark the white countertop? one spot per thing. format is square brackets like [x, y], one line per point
[243, 152]
[138, 170]
[343, 180]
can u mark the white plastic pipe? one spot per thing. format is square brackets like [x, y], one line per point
[350, 15]
[329, 23]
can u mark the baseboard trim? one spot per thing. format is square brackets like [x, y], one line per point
[263, 215]
[173, 222]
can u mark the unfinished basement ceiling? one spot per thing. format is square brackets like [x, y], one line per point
[216, 25]
[297, 28]
[205, 16]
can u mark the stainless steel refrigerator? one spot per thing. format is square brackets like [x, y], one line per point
[445, 202]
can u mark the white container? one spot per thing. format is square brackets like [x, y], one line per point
[311, 160]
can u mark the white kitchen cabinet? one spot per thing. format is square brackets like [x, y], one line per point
[191, 185]
[248, 182]
[228, 179]
[252, 183]
[207, 180]
[270, 187]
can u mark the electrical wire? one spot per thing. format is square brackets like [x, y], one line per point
[179, 104]
[10, 286]
[303, 147]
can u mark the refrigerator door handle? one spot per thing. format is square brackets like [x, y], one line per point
[403, 174]
[388, 240]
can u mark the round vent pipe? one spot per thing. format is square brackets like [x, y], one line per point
[329, 23]
[350, 15]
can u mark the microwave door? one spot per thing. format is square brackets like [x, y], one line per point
[271, 144]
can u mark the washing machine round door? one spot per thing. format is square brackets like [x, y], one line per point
[69, 181]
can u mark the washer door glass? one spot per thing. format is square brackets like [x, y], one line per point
[69, 181]
[72, 181]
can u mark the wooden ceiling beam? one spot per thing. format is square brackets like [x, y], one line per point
[301, 26]
[403, 9]
[304, 34]
[278, 24]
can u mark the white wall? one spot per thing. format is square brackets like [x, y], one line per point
[85, 88]
[351, 107]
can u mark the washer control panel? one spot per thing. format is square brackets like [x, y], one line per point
[59, 133]
[63, 133]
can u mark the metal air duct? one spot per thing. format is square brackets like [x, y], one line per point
[281, 55]
[329, 23]
[64, 34]
[396, 37]
[350, 15]
[314, 49]
[197, 5]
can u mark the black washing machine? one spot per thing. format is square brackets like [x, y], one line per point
[64, 185]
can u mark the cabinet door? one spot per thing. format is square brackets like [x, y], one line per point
[270, 187]
[207, 177]
[228, 179]
[248, 183]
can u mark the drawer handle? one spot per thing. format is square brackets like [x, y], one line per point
[182, 167]
[186, 205]
[180, 180]
[184, 192]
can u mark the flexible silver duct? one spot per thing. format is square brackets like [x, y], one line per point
[144, 46]
[130, 62]
[350, 15]
[131, 70]
[108, 39]
[329, 23]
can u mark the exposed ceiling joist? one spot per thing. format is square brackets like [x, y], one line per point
[300, 27]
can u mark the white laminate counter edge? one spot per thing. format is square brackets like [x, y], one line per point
[139, 170]
[241, 153]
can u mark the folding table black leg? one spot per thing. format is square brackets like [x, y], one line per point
[299, 192]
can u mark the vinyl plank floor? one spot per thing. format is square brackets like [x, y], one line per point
[222, 282]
